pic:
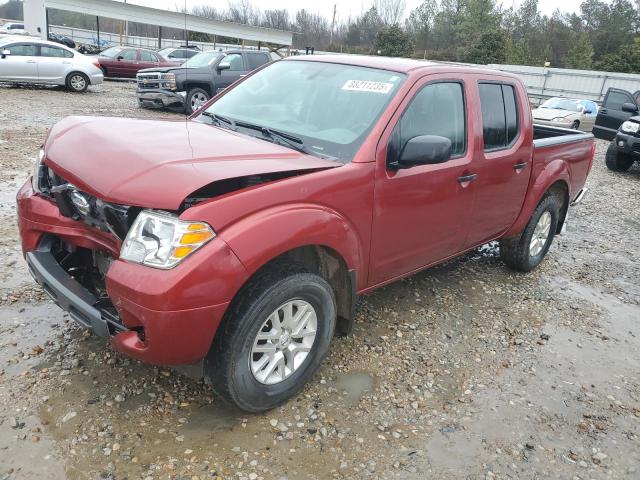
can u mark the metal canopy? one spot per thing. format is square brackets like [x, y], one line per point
[162, 18]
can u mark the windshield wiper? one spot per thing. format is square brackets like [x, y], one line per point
[220, 120]
[287, 139]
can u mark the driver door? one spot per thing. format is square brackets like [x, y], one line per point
[226, 77]
[422, 213]
[21, 65]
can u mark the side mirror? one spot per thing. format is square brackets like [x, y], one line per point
[424, 150]
[120, 57]
[5, 52]
[224, 66]
[629, 107]
[587, 112]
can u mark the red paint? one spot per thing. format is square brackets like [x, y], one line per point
[129, 67]
[384, 224]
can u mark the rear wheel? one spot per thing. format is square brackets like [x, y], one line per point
[77, 82]
[616, 160]
[273, 338]
[527, 250]
[196, 97]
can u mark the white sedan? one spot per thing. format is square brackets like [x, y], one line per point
[42, 62]
[567, 113]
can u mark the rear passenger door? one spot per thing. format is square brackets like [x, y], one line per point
[610, 116]
[147, 60]
[53, 64]
[256, 59]
[503, 166]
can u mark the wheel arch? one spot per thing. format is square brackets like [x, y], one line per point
[189, 84]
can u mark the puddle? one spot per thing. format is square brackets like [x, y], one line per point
[354, 385]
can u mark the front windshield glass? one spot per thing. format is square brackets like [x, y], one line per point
[330, 107]
[111, 52]
[202, 59]
[561, 104]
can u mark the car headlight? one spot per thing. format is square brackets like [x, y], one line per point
[559, 119]
[630, 127]
[168, 80]
[35, 176]
[162, 240]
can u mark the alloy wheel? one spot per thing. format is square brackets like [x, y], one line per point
[540, 234]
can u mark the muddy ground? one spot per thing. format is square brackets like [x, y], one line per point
[467, 370]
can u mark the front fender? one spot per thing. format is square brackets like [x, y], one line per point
[542, 180]
[260, 237]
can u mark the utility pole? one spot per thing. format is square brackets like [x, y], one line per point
[333, 23]
[126, 29]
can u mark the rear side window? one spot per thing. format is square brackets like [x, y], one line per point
[190, 53]
[23, 50]
[147, 56]
[615, 99]
[437, 109]
[256, 60]
[499, 115]
[128, 55]
[46, 51]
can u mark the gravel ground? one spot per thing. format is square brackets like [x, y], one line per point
[467, 370]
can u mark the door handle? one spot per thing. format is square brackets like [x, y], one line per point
[519, 166]
[603, 111]
[467, 178]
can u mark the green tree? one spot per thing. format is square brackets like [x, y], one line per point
[420, 23]
[580, 55]
[393, 42]
[491, 47]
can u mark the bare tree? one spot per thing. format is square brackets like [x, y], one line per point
[243, 11]
[278, 18]
[390, 11]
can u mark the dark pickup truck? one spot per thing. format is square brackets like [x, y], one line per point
[200, 78]
[234, 245]
[618, 120]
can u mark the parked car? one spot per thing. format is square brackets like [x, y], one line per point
[13, 28]
[179, 55]
[62, 39]
[566, 113]
[43, 62]
[618, 106]
[200, 78]
[234, 245]
[127, 61]
[624, 149]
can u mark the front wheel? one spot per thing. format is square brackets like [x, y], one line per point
[196, 97]
[575, 125]
[527, 250]
[77, 82]
[616, 160]
[273, 338]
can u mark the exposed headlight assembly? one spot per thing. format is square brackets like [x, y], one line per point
[168, 80]
[35, 177]
[162, 240]
[630, 127]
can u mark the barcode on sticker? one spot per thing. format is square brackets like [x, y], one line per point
[367, 86]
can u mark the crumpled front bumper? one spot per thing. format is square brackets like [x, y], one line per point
[163, 317]
[158, 98]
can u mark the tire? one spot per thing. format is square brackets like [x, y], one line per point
[518, 253]
[575, 125]
[77, 82]
[230, 364]
[617, 161]
[196, 97]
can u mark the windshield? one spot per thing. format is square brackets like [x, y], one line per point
[330, 107]
[561, 104]
[202, 59]
[111, 52]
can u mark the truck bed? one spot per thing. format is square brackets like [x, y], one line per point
[545, 136]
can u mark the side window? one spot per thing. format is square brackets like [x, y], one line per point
[177, 54]
[615, 99]
[256, 60]
[23, 50]
[235, 60]
[147, 56]
[510, 112]
[499, 115]
[190, 53]
[128, 55]
[46, 51]
[437, 109]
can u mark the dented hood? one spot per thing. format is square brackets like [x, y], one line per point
[157, 164]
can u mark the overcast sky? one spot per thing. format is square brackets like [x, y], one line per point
[345, 8]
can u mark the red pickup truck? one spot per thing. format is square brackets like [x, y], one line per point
[233, 245]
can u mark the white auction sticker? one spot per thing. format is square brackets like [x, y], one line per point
[367, 86]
